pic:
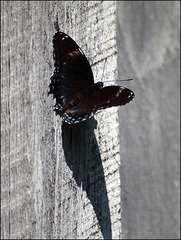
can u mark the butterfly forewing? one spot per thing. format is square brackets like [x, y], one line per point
[70, 61]
[72, 70]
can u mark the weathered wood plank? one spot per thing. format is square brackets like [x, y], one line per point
[58, 182]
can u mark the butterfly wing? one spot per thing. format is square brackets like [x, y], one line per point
[72, 70]
[98, 99]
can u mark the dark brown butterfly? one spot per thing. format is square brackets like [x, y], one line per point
[72, 84]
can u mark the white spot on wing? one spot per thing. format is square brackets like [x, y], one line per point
[64, 38]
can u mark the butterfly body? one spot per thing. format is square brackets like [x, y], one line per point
[72, 84]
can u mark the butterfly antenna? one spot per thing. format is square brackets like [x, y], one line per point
[122, 80]
[103, 69]
[57, 28]
[129, 79]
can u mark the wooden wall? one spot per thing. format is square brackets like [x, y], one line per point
[116, 174]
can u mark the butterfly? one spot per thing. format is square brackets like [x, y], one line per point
[72, 83]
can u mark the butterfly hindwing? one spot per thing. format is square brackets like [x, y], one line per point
[99, 99]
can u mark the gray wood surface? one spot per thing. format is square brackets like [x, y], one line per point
[62, 181]
[149, 52]
[58, 181]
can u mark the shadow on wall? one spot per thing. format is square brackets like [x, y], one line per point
[83, 158]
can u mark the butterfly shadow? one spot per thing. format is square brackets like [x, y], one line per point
[83, 158]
